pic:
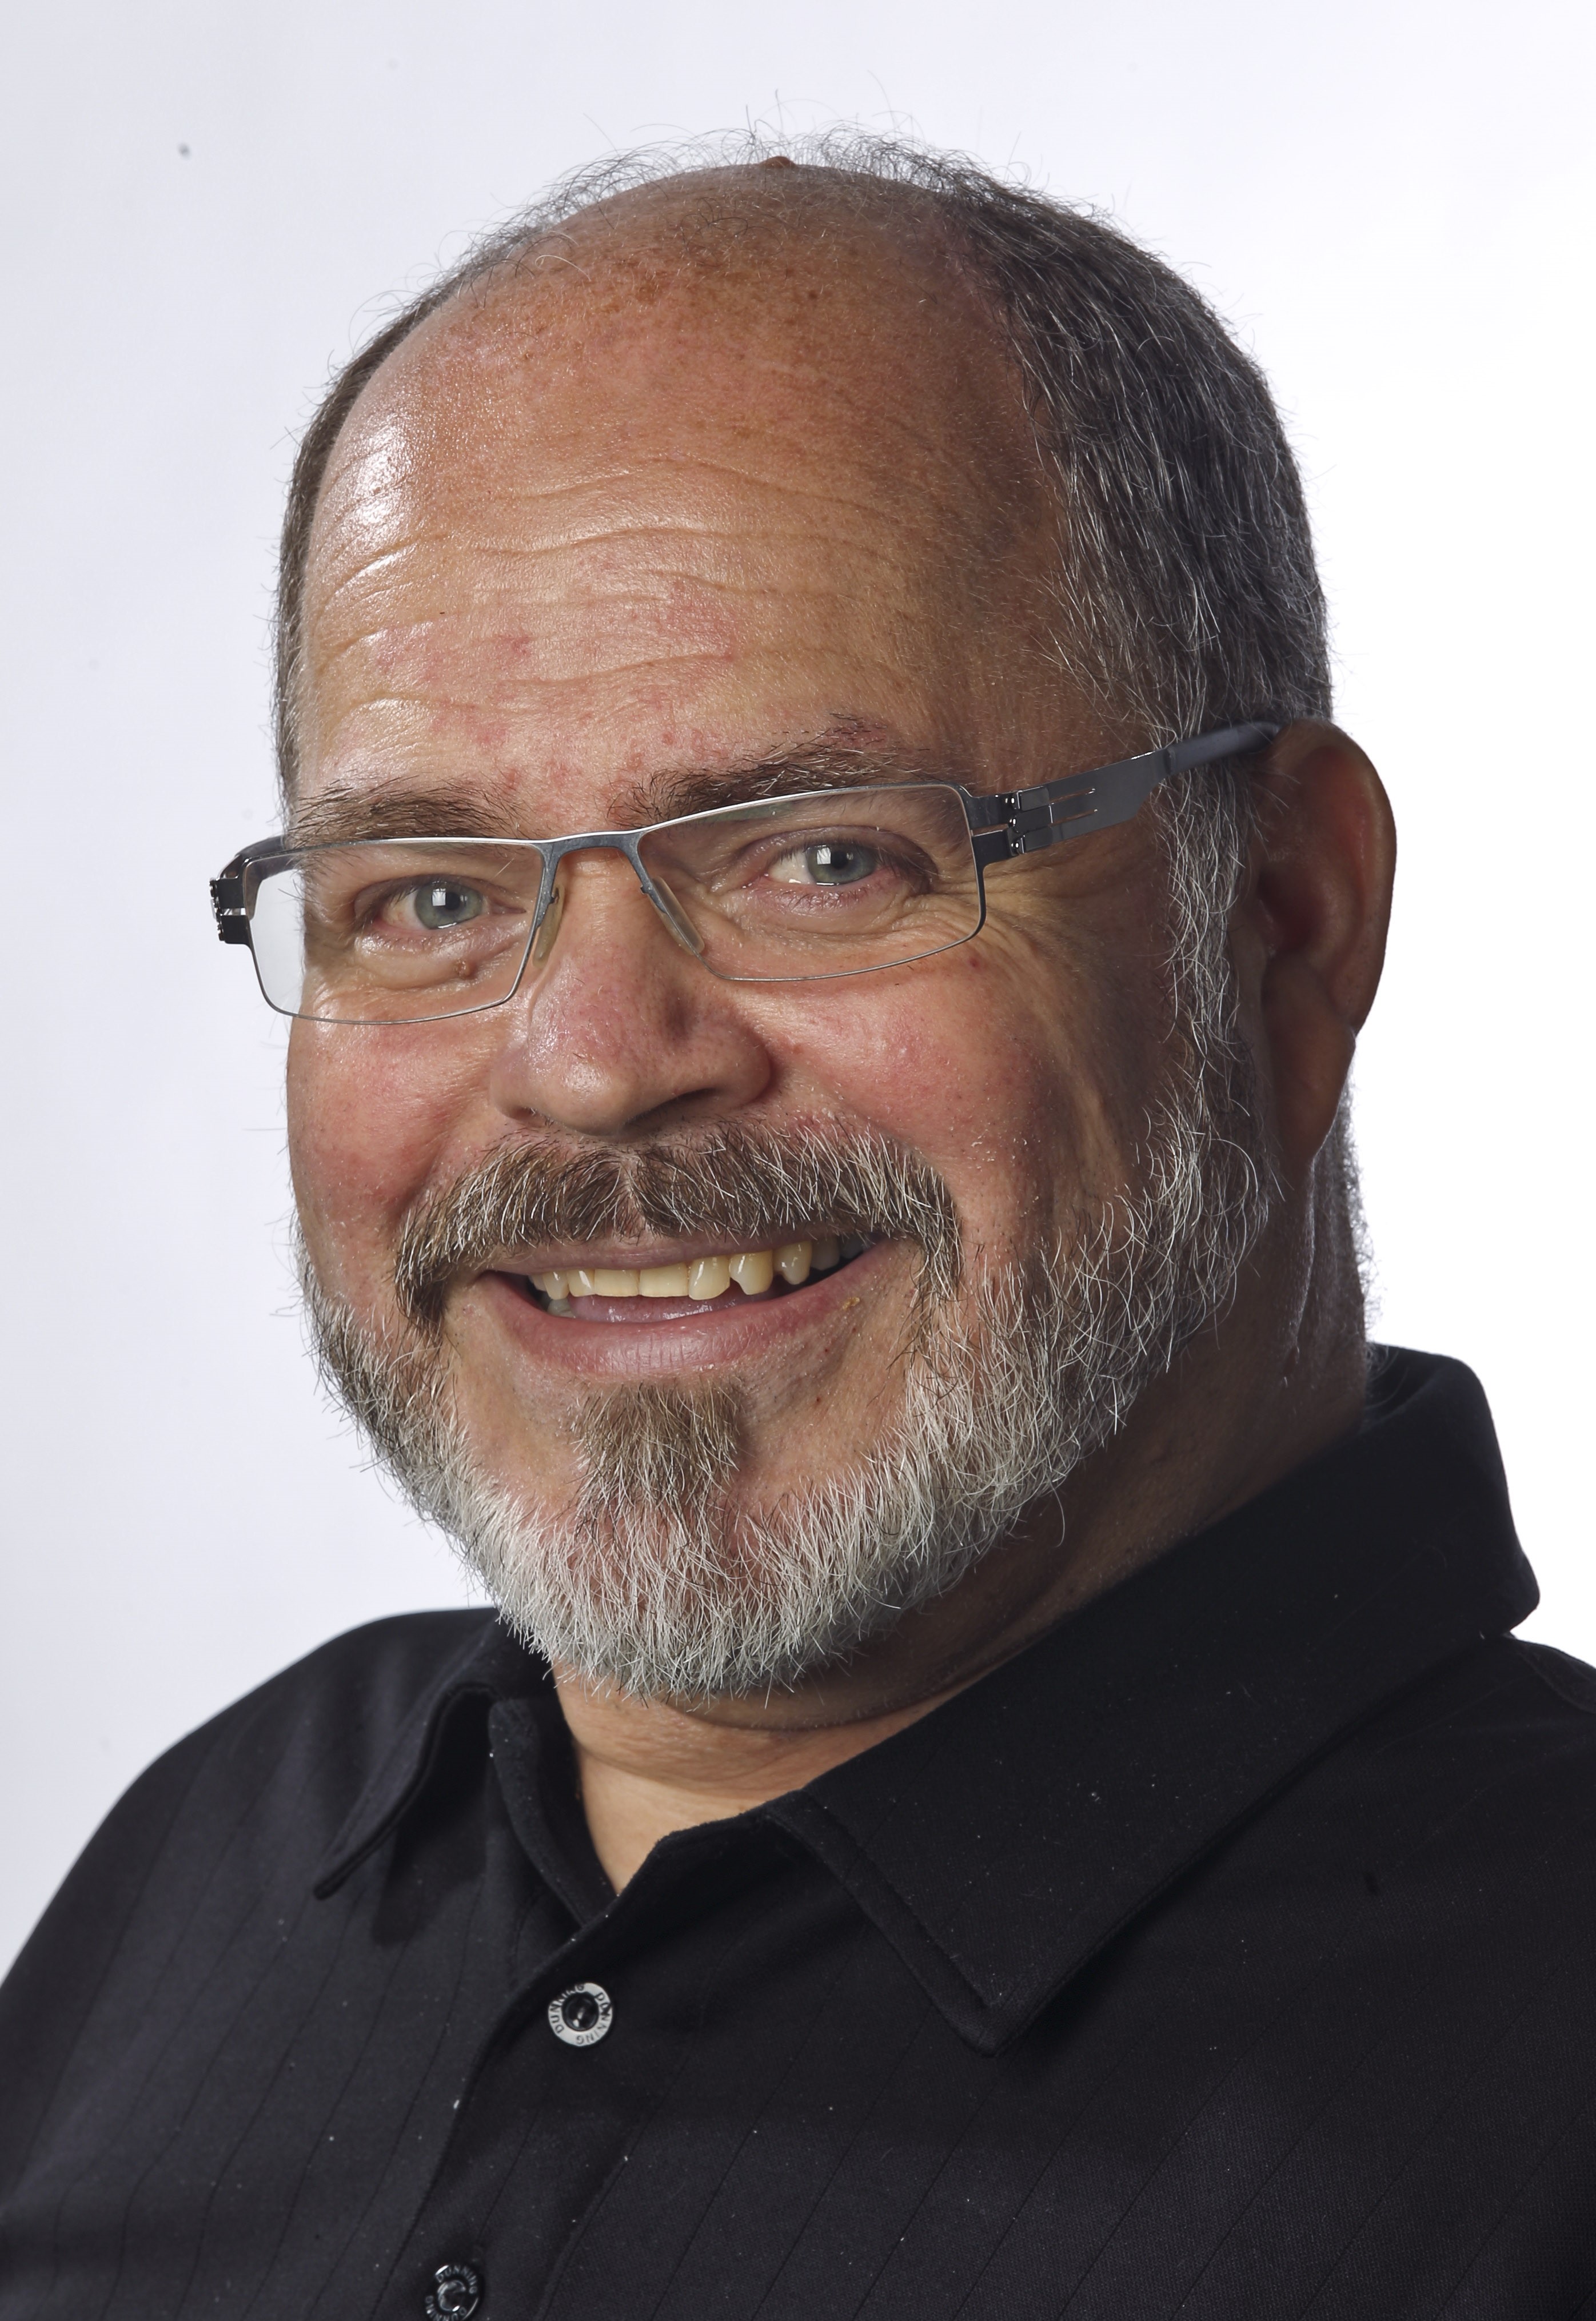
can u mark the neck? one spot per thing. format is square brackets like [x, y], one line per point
[1279, 1381]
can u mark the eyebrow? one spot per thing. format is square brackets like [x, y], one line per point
[823, 766]
[345, 812]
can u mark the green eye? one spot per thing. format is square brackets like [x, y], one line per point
[441, 905]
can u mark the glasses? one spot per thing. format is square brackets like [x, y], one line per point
[780, 890]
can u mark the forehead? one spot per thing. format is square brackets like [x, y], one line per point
[677, 475]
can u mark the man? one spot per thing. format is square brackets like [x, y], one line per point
[827, 925]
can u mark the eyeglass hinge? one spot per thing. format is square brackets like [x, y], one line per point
[227, 901]
[1031, 817]
[1025, 814]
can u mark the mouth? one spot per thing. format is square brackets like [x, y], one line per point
[676, 1289]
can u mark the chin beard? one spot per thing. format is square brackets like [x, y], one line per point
[659, 1577]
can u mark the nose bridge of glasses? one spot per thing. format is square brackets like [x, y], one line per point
[625, 842]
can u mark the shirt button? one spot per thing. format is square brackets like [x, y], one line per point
[581, 2015]
[455, 2293]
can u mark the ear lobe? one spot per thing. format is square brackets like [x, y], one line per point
[1319, 904]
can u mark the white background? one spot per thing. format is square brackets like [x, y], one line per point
[209, 206]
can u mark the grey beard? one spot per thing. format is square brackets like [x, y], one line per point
[655, 1579]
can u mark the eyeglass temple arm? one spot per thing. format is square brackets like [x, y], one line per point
[1097, 800]
[228, 903]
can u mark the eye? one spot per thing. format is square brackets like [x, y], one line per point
[441, 903]
[827, 862]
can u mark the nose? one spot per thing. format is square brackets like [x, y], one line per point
[619, 1030]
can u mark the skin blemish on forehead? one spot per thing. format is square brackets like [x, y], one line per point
[541, 615]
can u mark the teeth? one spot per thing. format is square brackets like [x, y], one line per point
[711, 1277]
[753, 1269]
[664, 1281]
[792, 1263]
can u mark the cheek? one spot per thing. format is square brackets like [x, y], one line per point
[1013, 1084]
[369, 1118]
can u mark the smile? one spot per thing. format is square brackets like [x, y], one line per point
[672, 1291]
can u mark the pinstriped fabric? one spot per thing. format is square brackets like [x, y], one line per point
[1232, 1955]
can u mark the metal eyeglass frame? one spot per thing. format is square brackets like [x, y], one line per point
[1007, 823]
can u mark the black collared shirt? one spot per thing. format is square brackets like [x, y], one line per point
[1231, 1953]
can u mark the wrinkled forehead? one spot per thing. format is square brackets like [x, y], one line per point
[685, 402]
[656, 324]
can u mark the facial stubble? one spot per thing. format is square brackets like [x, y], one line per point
[661, 1576]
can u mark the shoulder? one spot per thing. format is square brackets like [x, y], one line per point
[1570, 1683]
[1493, 1754]
[1529, 1702]
[314, 1734]
[352, 1696]
[317, 1730]
[228, 1824]
[309, 1740]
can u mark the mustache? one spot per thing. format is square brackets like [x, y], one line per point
[742, 1183]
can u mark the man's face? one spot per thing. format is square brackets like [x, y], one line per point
[583, 543]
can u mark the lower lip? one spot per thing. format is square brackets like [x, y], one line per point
[696, 1337]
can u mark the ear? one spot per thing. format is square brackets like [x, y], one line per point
[1309, 930]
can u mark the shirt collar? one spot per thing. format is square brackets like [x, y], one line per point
[998, 1843]
[489, 1667]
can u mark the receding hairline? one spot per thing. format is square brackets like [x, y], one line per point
[756, 192]
[651, 228]
[1186, 590]
[669, 233]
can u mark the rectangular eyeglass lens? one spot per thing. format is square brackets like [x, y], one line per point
[833, 882]
[395, 931]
